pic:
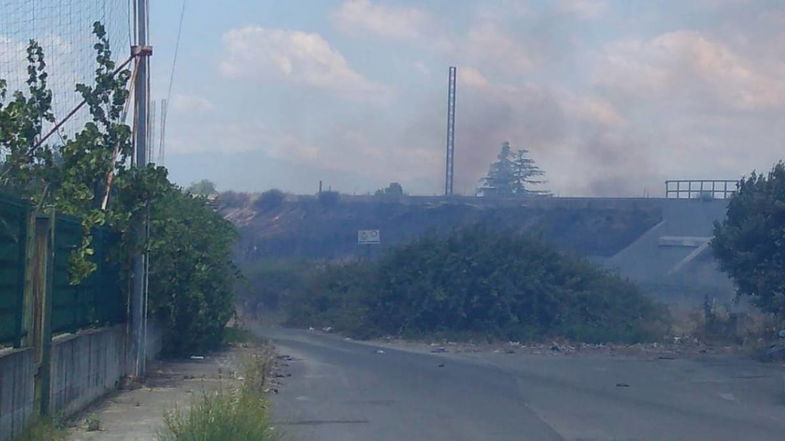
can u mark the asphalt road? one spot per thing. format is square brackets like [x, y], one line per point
[342, 391]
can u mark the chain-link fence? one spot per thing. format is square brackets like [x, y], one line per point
[64, 29]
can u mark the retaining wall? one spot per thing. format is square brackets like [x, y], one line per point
[84, 367]
[16, 390]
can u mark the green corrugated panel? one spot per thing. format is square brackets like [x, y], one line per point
[67, 310]
[98, 299]
[109, 299]
[13, 235]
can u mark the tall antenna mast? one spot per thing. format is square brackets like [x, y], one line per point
[450, 163]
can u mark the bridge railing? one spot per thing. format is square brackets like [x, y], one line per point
[700, 188]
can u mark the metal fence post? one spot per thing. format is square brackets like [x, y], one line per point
[43, 281]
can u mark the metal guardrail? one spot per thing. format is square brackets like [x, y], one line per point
[700, 188]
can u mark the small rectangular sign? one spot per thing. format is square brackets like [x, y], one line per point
[368, 237]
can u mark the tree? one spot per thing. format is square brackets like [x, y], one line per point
[75, 176]
[393, 193]
[89, 176]
[750, 242]
[202, 188]
[526, 174]
[511, 175]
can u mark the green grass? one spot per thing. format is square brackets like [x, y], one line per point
[235, 335]
[43, 429]
[237, 412]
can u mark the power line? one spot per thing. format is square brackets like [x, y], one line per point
[176, 50]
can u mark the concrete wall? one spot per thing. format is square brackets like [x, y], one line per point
[84, 367]
[679, 275]
[16, 390]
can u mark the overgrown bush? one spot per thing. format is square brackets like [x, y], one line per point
[329, 199]
[268, 281]
[232, 199]
[269, 200]
[476, 281]
[192, 278]
[43, 429]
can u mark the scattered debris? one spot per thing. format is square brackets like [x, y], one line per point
[775, 351]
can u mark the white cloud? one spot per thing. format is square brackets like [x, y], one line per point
[488, 44]
[585, 9]
[296, 56]
[471, 77]
[688, 67]
[592, 109]
[241, 137]
[404, 23]
[192, 103]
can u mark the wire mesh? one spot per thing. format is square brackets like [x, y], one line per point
[63, 28]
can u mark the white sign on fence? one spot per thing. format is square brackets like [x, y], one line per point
[368, 237]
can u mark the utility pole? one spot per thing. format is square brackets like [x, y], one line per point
[449, 165]
[142, 108]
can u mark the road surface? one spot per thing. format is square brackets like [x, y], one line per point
[343, 390]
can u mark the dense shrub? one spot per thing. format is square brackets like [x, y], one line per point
[329, 199]
[486, 283]
[269, 200]
[192, 278]
[268, 281]
[232, 199]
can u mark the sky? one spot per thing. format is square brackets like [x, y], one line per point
[610, 97]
